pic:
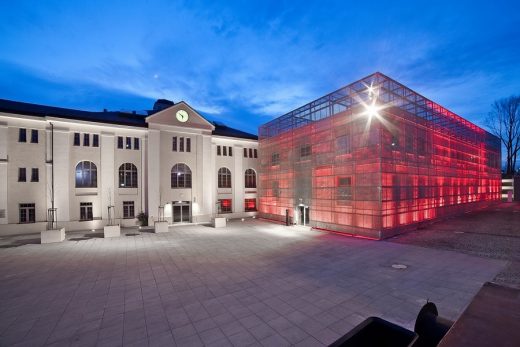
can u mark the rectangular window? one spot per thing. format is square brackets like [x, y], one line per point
[275, 159]
[230, 151]
[255, 153]
[27, 213]
[181, 144]
[128, 209]
[245, 152]
[250, 153]
[35, 175]
[85, 211]
[95, 140]
[174, 143]
[188, 144]
[21, 175]
[136, 143]
[34, 136]
[128, 143]
[218, 150]
[409, 143]
[22, 135]
[86, 140]
[76, 139]
[344, 190]
[305, 151]
[225, 205]
[343, 144]
[250, 205]
[275, 188]
[120, 142]
[224, 151]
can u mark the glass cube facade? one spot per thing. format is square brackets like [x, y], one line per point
[373, 159]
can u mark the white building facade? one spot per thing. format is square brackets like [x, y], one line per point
[172, 158]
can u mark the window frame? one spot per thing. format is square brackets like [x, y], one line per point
[85, 211]
[224, 178]
[95, 140]
[22, 174]
[35, 174]
[86, 140]
[250, 178]
[77, 139]
[28, 210]
[90, 172]
[228, 209]
[180, 172]
[344, 190]
[128, 176]
[22, 135]
[120, 142]
[128, 206]
[246, 208]
[275, 159]
[34, 135]
[136, 144]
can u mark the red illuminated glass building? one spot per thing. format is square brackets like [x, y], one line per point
[373, 159]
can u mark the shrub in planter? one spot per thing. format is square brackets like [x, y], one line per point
[143, 219]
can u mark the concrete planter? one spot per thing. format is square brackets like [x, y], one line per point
[218, 222]
[111, 231]
[51, 236]
[160, 227]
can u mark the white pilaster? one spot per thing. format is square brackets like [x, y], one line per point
[154, 177]
[3, 173]
[107, 172]
[238, 181]
[62, 165]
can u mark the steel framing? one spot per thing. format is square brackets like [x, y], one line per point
[375, 158]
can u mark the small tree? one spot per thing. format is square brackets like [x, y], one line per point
[504, 122]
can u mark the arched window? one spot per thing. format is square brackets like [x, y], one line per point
[224, 178]
[250, 178]
[127, 176]
[86, 175]
[181, 176]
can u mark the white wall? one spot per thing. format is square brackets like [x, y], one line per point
[153, 160]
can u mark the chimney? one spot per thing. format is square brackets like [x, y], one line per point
[162, 104]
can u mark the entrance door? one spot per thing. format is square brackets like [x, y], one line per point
[181, 212]
[303, 214]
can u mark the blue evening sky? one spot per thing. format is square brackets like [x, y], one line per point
[246, 62]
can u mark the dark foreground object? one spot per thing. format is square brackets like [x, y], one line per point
[375, 331]
[491, 319]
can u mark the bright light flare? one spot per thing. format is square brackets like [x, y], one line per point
[372, 110]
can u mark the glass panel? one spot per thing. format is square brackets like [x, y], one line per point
[176, 214]
[185, 213]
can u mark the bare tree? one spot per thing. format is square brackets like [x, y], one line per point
[504, 122]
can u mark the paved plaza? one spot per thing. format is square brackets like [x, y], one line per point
[252, 283]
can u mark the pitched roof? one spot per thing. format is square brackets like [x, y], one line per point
[224, 130]
[111, 117]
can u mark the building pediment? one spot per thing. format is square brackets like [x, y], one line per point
[180, 115]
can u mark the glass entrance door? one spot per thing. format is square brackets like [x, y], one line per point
[181, 212]
[303, 215]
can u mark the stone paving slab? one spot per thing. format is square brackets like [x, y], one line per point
[250, 284]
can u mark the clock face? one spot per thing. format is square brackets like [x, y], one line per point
[182, 116]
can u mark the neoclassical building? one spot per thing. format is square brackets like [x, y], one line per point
[82, 162]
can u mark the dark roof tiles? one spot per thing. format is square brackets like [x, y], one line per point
[111, 117]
